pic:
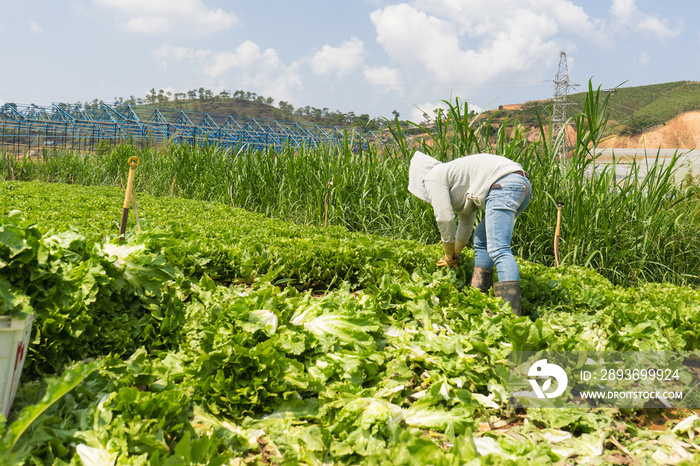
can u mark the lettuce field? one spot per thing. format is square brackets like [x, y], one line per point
[220, 336]
[234, 328]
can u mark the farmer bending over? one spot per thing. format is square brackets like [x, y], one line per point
[491, 183]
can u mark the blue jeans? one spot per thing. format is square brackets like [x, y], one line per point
[494, 233]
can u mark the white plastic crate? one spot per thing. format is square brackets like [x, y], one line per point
[14, 340]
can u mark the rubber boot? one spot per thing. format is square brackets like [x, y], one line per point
[509, 292]
[481, 279]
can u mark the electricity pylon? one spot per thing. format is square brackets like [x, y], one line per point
[561, 92]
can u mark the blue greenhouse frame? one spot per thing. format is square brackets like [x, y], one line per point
[24, 128]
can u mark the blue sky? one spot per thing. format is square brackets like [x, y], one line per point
[370, 57]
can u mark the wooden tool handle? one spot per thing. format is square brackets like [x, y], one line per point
[133, 163]
[557, 233]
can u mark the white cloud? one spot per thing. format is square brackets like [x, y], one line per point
[383, 77]
[34, 27]
[481, 19]
[246, 67]
[247, 56]
[468, 43]
[244, 58]
[451, 52]
[466, 47]
[339, 60]
[161, 16]
[148, 24]
[644, 58]
[167, 54]
[626, 13]
[410, 35]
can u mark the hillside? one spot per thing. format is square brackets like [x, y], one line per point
[249, 105]
[231, 106]
[660, 115]
[681, 132]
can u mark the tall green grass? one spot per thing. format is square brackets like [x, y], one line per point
[368, 190]
[631, 230]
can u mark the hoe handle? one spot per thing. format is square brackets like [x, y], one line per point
[133, 163]
[325, 201]
[557, 233]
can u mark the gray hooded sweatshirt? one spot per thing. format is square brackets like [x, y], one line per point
[460, 185]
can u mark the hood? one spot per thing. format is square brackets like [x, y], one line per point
[421, 164]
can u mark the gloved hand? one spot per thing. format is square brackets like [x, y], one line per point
[451, 258]
[454, 262]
